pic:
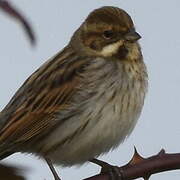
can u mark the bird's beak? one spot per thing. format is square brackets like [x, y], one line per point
[132, 36]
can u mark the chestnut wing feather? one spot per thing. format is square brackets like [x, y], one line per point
[32, 111]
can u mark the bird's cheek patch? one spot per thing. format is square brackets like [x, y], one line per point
[96, 45]
[93, 42]
[111, 49]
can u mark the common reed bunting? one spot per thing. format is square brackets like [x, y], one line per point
[85, 100]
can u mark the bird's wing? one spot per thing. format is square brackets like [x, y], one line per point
[32, 110]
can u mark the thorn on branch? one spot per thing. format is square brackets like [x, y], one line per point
[136, 158]
[146, 177]
[162, 152]
[140, 167]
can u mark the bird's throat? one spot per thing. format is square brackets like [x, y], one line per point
[122, 52]
[117, 50]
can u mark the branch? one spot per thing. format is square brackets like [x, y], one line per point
[11, 172]
[140, 167]
[13, 12]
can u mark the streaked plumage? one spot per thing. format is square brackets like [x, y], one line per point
[85, 100]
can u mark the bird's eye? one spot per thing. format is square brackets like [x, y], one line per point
[108, 34]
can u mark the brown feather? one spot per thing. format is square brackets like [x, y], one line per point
[45, 92]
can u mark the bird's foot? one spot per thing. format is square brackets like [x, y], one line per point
[113, 171]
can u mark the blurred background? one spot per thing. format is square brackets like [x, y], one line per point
[54, 22]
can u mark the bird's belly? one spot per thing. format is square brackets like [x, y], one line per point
[101, 127]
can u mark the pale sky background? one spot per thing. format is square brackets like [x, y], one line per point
[54, 22]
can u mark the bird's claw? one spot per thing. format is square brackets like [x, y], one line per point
[113, 171]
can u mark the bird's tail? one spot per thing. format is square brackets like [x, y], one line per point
[5, 154]
[3, 150]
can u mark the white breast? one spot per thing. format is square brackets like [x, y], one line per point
[106, 112]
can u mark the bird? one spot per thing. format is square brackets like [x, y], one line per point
[85, 100]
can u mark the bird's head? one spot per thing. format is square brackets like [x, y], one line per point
[108, 31]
